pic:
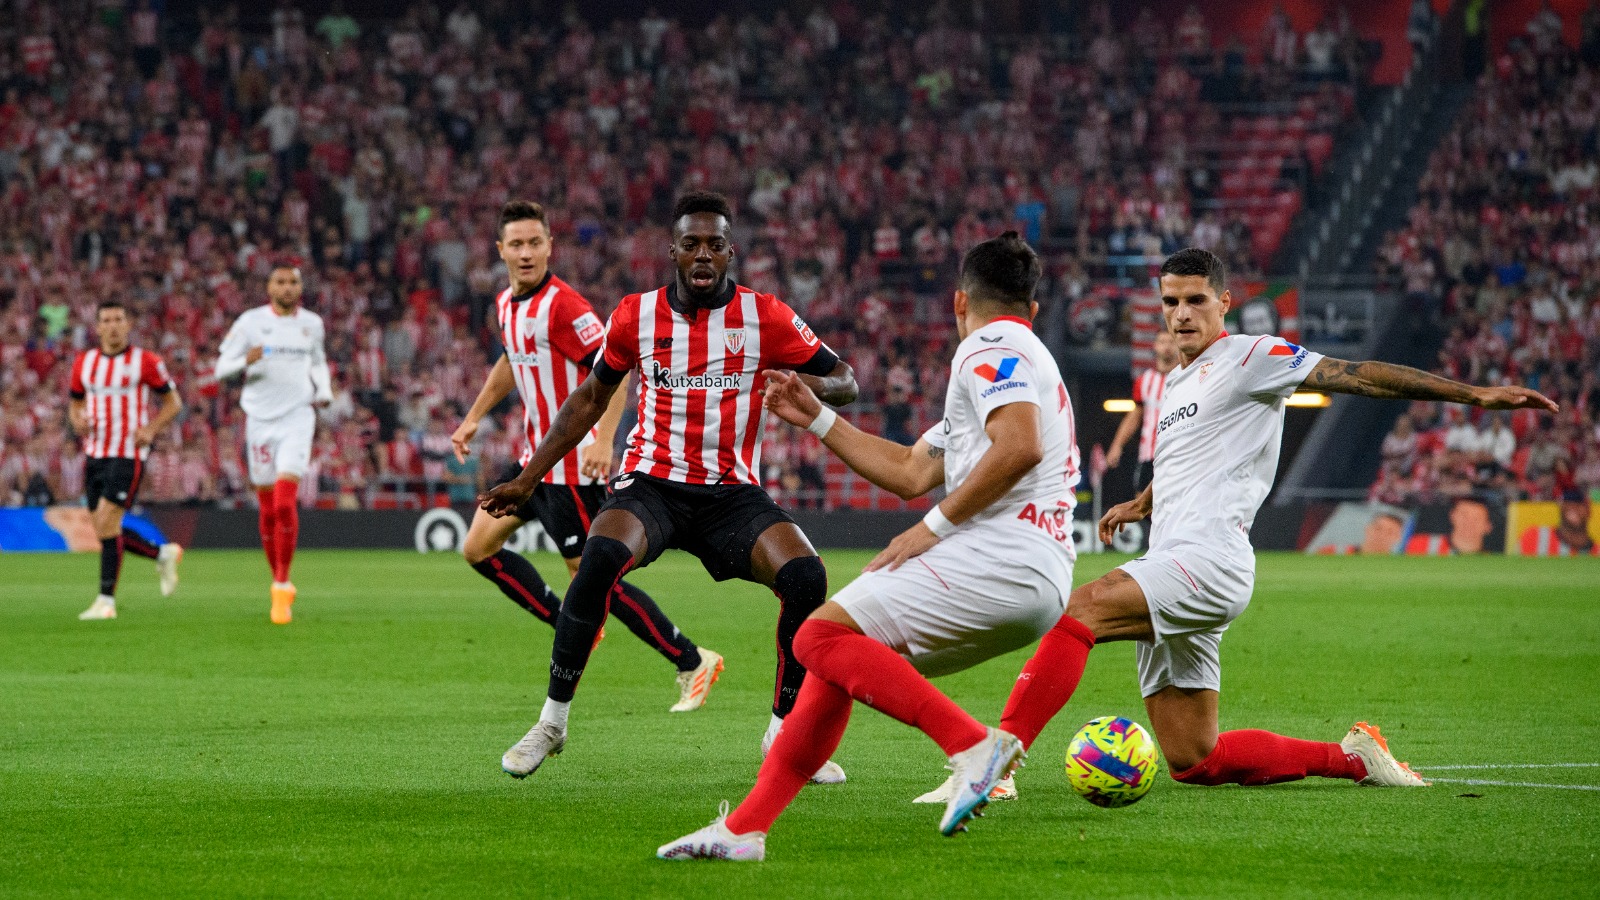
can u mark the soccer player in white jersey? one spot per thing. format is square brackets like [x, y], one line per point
[110, 409]
[1216, 455]
[1007, 451]
[279, 350]
[1141, 420]
[551, 338]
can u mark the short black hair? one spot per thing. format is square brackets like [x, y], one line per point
[1195, 261]
[702, 202]
[112, 304]
[518, 211]
[1001, 270]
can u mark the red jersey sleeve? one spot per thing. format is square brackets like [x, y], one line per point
[1138, 388]
[153, 373]
[77, 389]
[787, 342]
[575, 330]
[620, 347]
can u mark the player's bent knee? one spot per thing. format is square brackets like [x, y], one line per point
[812, 639]
[802, 584]
[604, 562]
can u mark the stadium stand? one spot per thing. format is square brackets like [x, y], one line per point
[171, 163]
[1503, 254]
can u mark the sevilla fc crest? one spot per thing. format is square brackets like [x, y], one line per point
[734, 340]
[1205, 369]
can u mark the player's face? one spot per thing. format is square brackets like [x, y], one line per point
[111, 326]
[524, 247]
[1193, 312]
[702, 250]
[284, 288]
[1166, 352]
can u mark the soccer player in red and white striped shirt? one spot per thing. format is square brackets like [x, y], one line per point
[551, 338]
[691, 477]
[111, 409]
[1147, 392]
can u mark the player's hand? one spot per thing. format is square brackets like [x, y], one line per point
[144, 435]
[252, 356]
[594, 461]
[1118, 516]
[79, 420]
[1113, 456]
[505, 499]
[912, 542]
[790, 398]
[461, 440]
[1514, 397]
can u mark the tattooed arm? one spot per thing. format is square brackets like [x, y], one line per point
[1385, 380]
[903, 471]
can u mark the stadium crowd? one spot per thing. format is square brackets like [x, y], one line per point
[1503, 253]
[170, 164]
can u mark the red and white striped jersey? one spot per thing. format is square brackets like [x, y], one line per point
[700, 413]
[547, 333]
[116, 392]
[1147, 391]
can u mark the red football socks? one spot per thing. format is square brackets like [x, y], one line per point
[809, 736]
[1253, 757]
[268, 520]
[1048, 679]
[285, 493]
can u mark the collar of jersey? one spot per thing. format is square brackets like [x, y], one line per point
[1017, 319]
[1214, 341]
[518, 298]
[683, 309]
[125, 349]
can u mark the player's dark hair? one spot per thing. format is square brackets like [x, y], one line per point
[112, 304]
[519, 211]
[1001, 270]
[1195, 261]
[702, 202]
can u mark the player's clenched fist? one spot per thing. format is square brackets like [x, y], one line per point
[504, 499]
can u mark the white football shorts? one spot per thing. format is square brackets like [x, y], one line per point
[1193, 594]
[279, 447]
[968, 599]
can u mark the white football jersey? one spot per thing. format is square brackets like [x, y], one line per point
[1001, 363]
[1217, 441]
[293, 369]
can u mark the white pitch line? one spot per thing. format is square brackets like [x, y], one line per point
[1593, 765]
[1528, 784]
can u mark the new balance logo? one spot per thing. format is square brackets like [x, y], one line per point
[664, 343]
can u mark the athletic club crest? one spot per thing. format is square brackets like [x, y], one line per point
[1205, 369]
[734, 340]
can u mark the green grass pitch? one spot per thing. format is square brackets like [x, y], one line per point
[189, 748]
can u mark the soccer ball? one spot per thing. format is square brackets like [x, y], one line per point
[1111, 762]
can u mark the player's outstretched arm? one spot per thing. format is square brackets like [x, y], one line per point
[583, 408]
[496, 387]
[838, 387]
[1389, 381]
[903, 471]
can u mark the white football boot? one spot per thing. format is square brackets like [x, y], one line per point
[830, 773]
[1383, 770]
[1004, 789]
[527, 755]
[103, 607]
[976, 770]
[715, 841]
[167, 567]
[695, 684]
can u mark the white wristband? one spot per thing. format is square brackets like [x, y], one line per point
[823, 422]
[938, 524]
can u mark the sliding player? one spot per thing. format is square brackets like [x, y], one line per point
[551, 337]
[691, 477]
[110, 410]
[1007, 451]
[279, 349]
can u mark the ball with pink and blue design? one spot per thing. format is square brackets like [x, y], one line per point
[1111, 762]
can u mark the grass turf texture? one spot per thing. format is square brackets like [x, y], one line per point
[189, 748]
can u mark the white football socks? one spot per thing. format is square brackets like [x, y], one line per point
[555, 711]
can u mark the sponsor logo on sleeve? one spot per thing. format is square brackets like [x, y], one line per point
[805, 331]
[588, 327]
[1288, 349]
[999, 376]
